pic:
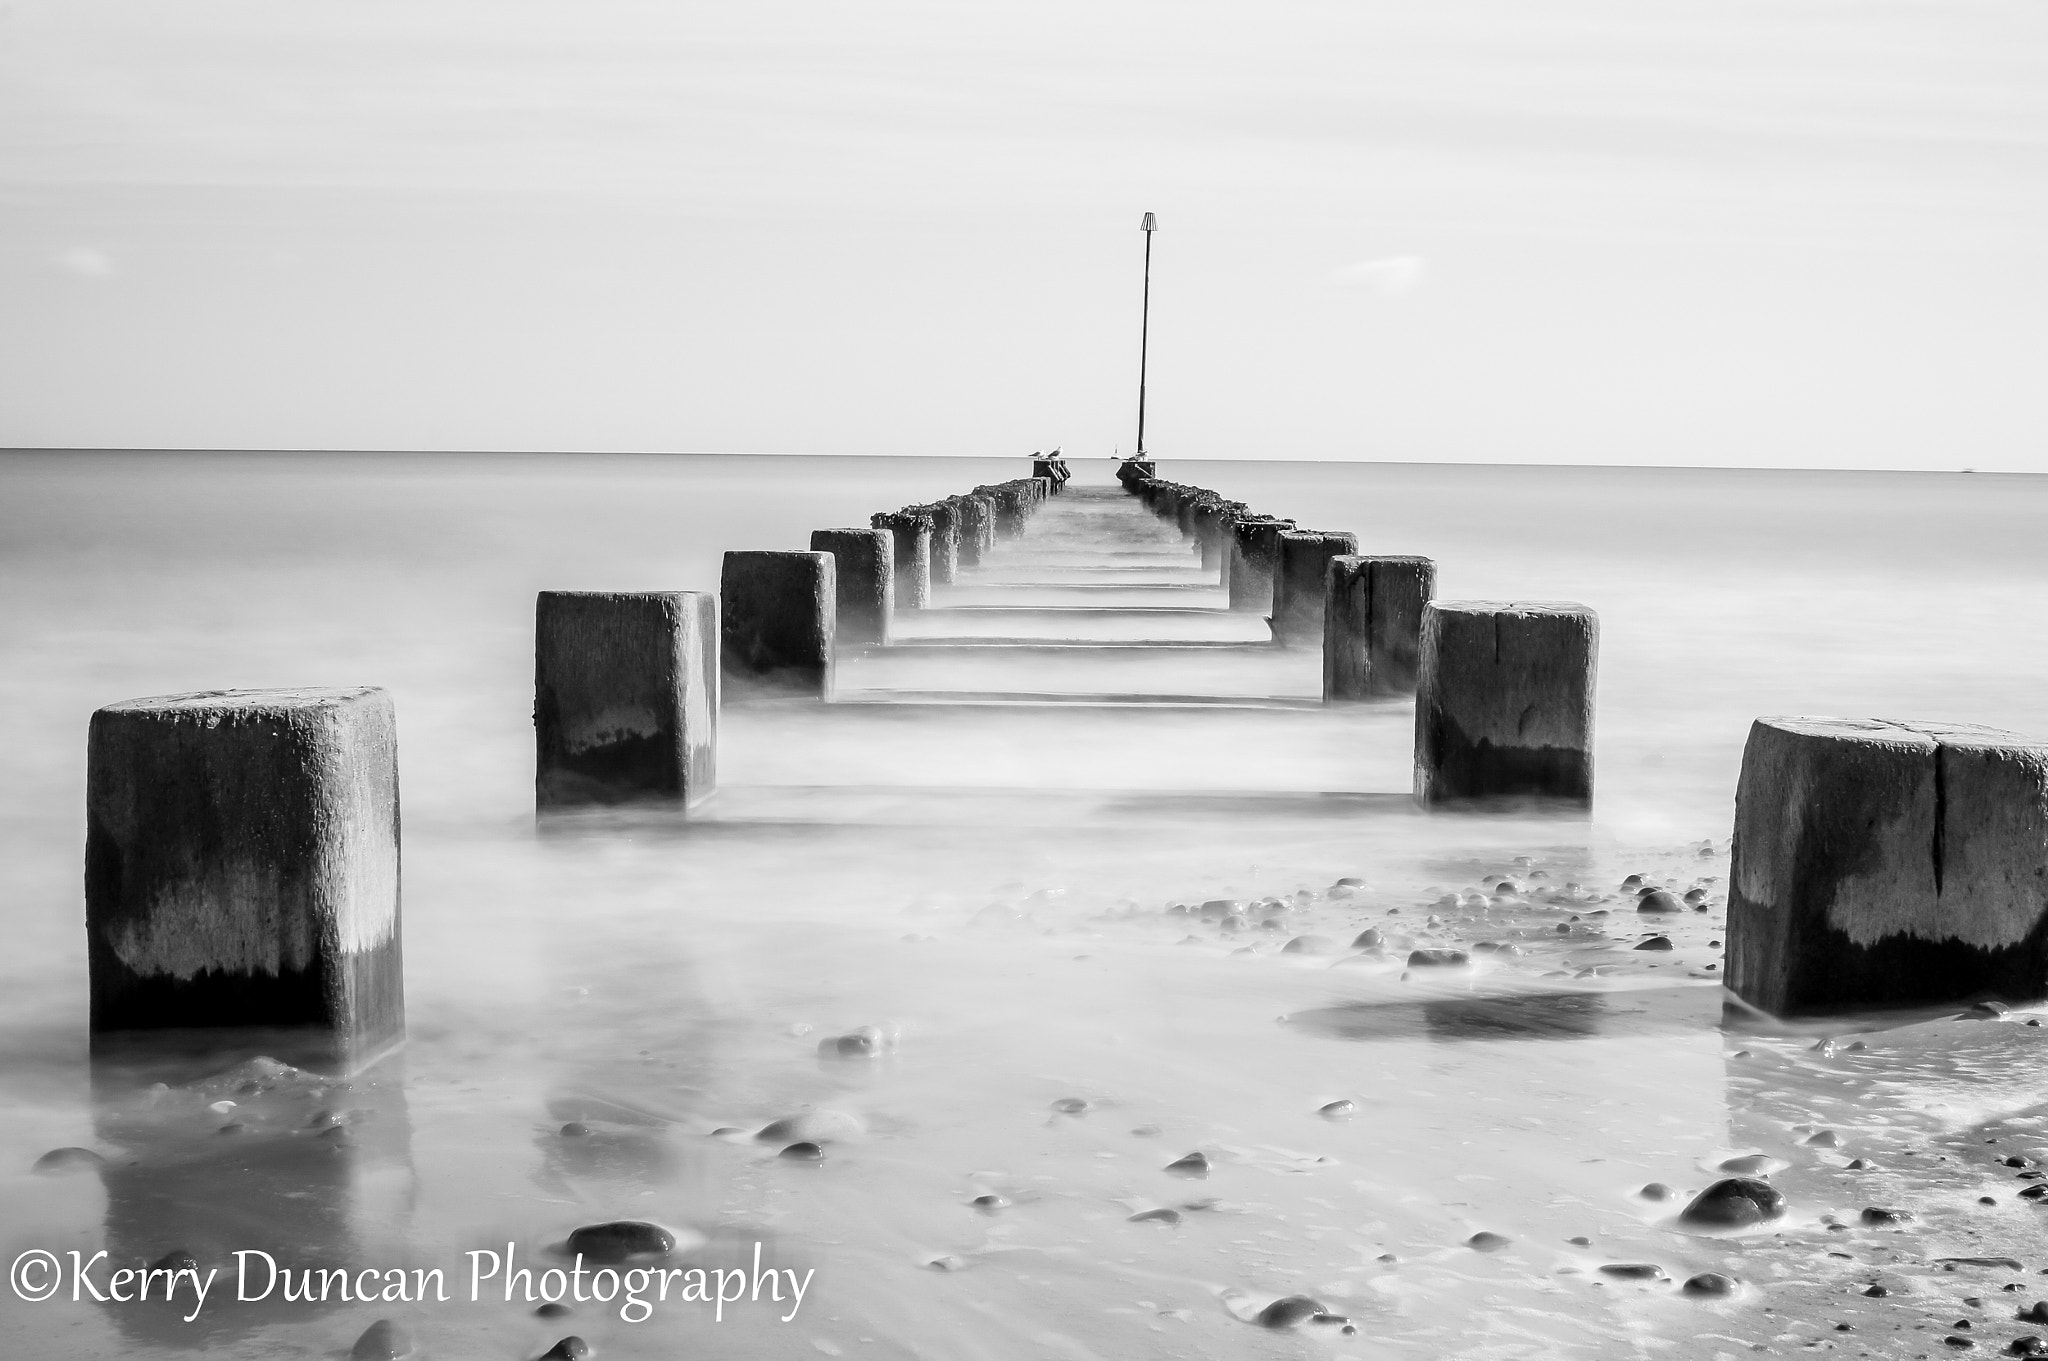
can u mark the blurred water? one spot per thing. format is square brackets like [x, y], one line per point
[986, 882]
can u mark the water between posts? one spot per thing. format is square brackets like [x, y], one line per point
[1011, 966]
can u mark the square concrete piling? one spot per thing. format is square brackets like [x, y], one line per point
[625, 697]
[1504, 702]
[912, 533]
[779, 611]
[977, 528]
[1372, 625]
[945, 551]
[1255, 549]
[864, 565]
[1300, 568]
[241, 867]
[1884, 864]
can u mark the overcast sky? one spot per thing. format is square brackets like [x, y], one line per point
[1793, 233]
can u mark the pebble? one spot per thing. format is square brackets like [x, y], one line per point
[803, 1151]
[813, 1127]
[1338, 1110]
[947, 1263]
[552, 1309]
[61, 1160]
[1071, 1105]
[2030, 1345]
[1825, 1138]
[1634, 1271]
[1485, 1241]
[621, 1239]
[1368, 939]
[1657, 900]
[177, 1259]
[1751, 1164]
[1156, 1217]
[575, 1129]
[1734, 1202]
[1291, 1310]
[1708, 1283]
[1491, 947]
[1437, 959]
[1959, 1343]
[1219, 908]
[1656, 943]
[2037, 1312]
[382, 1341]
[864, 1043]
[1580, 1242]
[1309, 945]
[1875, 1217]
[1861, 1164]
[990, 1203]
[1193, 1165]
[1655, 1190]
[570, 1348]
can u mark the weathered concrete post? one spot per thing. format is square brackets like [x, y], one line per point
[913, 545]
[625, 697]
[945, 541]
[1372, 625]
[1299, 569]
[864, 565]
[1009, 508]
[779, 612]
[1213, 523]
[1504, 702]
[241, 866]
[977, 528]
[1883, 864]
[1255, 549]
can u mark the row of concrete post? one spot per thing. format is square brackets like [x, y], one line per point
[242, 845]
[1504, 691]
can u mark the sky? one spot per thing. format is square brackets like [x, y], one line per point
[1803, 233]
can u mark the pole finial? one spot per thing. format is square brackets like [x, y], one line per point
[1150, 224]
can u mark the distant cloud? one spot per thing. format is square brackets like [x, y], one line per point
[88, 261]
[1390, 276]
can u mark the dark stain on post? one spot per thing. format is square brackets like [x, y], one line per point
[779, 611]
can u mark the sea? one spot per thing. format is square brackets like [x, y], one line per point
[952, 926]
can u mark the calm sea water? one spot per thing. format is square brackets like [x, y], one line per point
[986, 883]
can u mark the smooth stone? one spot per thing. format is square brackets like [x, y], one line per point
[1350, 881]
[2030, 1345]
[570, 1348]
[1751, 1165]
[1289, 1311]
[1734, 1202]
[1825, 1138]
[1437, 959]
[1708, 1283]
[382, 1341]
[2037, 1312]
[621, 1239]
[812, 1127]
[1222, 907]
[552, 1309]
[1874, 1217]
[1338, 1110]
[990, 1203]
[1070, 1105]
[1195, 1164]
[1156, 1217]
[1656, 943]
[802, 1151]
[61, 1160]
[1655, 1190]
[1580, 1242]
[1368, 939]
[1658, 900]
[1309, 945]
[1634, 1271]
[1487, 1241]
[575, 1129]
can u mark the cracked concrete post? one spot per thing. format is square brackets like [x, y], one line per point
[1504, 701]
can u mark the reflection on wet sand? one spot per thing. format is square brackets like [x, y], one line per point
[1518, 1016]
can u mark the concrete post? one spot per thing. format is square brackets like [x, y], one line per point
[1009, 507]
[1372, 625]
[864, 566]
[1255, 549]
[945, 540]
[625, 697]
[241, 867]
[977, 528]
[1504, 702]
[779, 611]
[1299, 571]
[913, 543]
[1883, 864]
